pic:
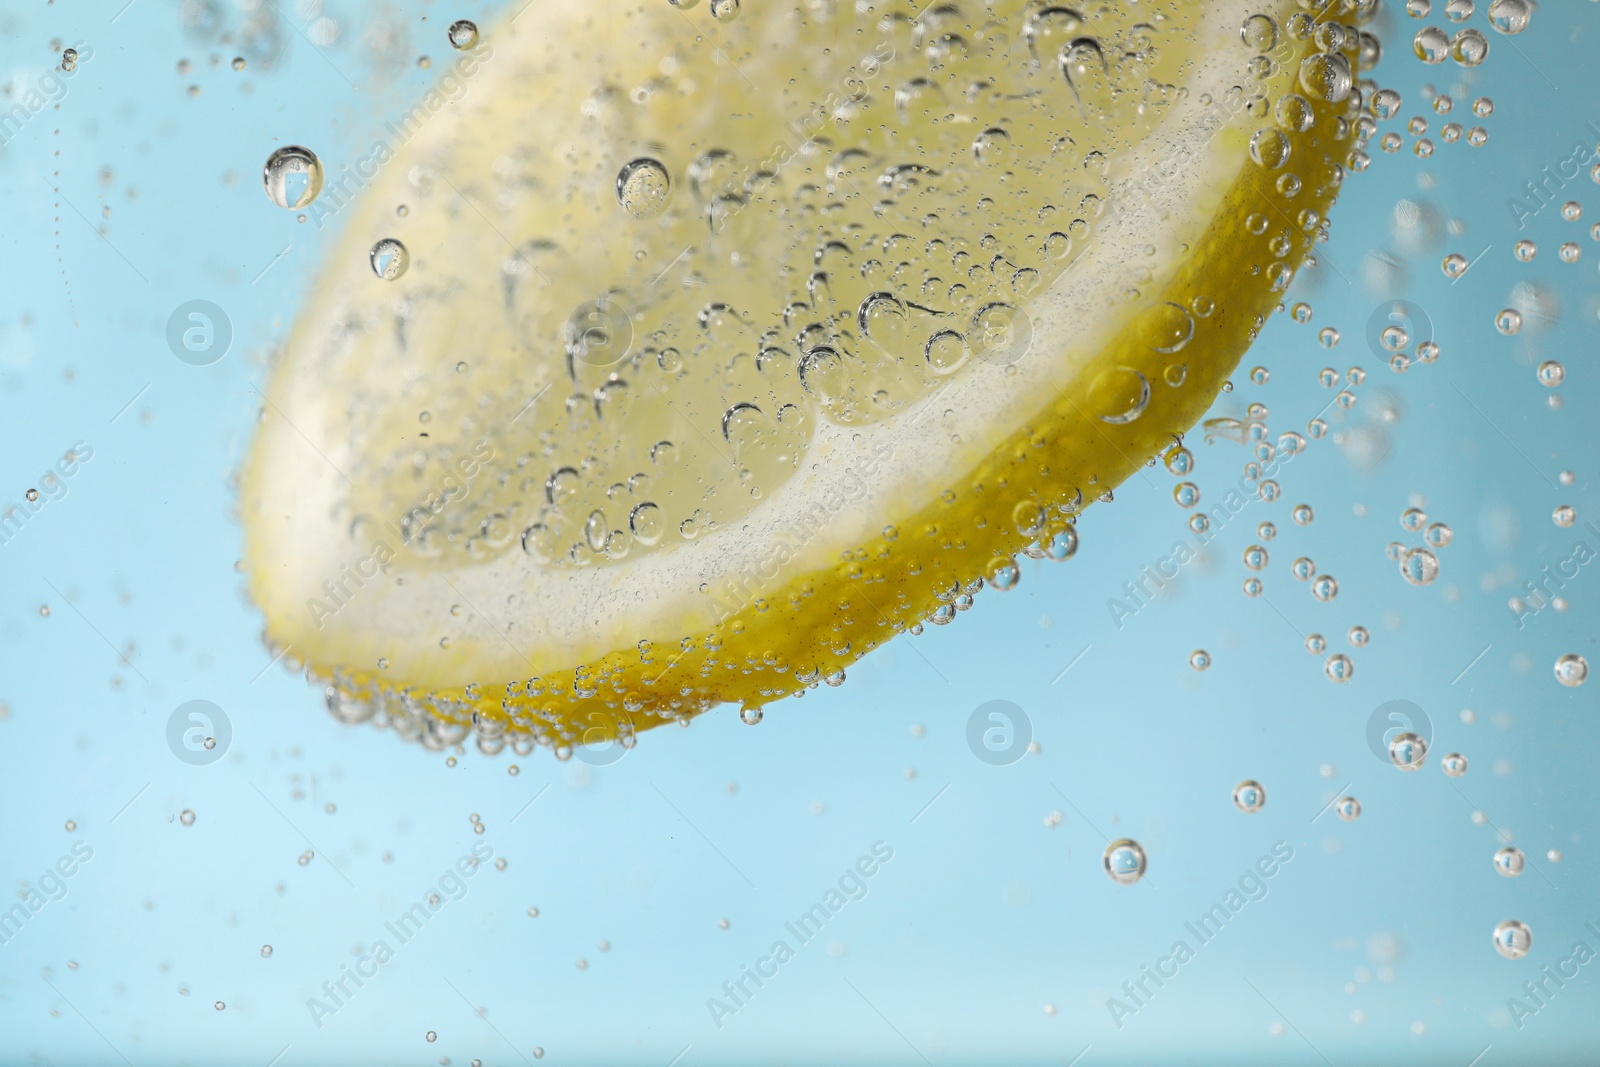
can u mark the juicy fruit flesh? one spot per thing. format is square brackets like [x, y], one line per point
[955, 187]
[899, 220]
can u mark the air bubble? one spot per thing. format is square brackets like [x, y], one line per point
[1249, 797]
[642, 187]
[1408, 751]
[1513, 939]
[1571, 670]
[389, 259]
[1124, 861]
[292, 177]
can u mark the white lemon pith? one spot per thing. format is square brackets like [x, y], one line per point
[730, 349]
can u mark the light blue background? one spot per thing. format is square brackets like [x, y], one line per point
[986, 914]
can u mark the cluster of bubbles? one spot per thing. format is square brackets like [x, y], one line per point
[1419, 565]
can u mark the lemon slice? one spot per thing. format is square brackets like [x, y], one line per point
[677, 357]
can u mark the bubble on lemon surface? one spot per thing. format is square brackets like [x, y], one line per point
[1124, 861]
[292, 177]
[1513, 939]
[389, 259]
[463, 34]
[1572, 670]
[1348, 808]
[1408, 751]
[1249, 796]
[642, 187]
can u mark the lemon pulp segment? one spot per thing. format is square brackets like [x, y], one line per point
[728, 350]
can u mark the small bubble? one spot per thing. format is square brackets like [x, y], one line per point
[1419, 566]
[1348, 808]
[1572, 670]
[1513, 939]
[1200, 659]
[1325, 587]
[1302, 514]
[1510, 17]
[1316, 644]
[1469, 48]
[642, 187]
[186, 816]
[430, 1037]
[1564, 516]
[266, 951]
[219, 1005]
[1124, 861]
[1509, 862]
[1359, 636]
[463, 34]
[1249, 797]
[292, 177]
[1408, 751]
[389, 259]
[1339, 668]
